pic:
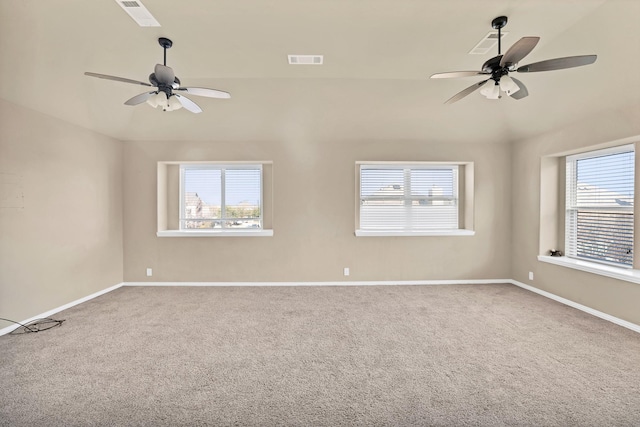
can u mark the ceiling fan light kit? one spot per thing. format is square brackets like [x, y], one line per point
[491, 90]
[166, 83]
[508, 86]
[497, 69]
[167, 104]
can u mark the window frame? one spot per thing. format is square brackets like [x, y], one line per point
[170, 199]
[222, 168]
[462, 194]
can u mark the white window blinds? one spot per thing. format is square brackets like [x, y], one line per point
[599, 206]
[225, 197]
[408, 197]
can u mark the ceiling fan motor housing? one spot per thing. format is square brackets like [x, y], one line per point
[492, 66]
[165, 88]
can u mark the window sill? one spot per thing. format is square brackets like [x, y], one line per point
[211, 233]
[629, 275]
[382, 233]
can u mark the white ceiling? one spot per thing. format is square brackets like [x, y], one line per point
[378, 55]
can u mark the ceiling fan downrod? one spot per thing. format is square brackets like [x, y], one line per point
[499, 23]
[166, 44]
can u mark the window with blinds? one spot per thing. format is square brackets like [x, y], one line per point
[220, 197]
[599, 206]
[408, 197]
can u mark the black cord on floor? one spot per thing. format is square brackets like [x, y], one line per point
[35, 325]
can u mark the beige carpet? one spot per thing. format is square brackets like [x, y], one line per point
[456, 355]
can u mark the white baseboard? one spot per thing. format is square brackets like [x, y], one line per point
[56, 310]
[345, 283]
[593, 312]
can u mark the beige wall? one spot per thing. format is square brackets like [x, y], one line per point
[60, 212]
[615, 297]
[314, 217]
[63, 235]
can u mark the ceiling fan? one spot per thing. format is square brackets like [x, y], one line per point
[167, 86]
[498, 68]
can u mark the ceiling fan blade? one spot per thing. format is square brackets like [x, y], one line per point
[522, 92]
[458, 96]
[519, 50]
[139, 99]
[188, 104]
[558, 63]
[210, 93]
[118, 79]
[164, 74]
[456, 74]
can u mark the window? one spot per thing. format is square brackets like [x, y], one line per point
[599, 206]
[201, 199]
[224, 197]
[409, 199]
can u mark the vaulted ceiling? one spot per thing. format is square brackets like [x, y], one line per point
[374, 84]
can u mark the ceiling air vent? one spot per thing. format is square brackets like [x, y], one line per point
[487, 43]
[138, 12]
[306, 59]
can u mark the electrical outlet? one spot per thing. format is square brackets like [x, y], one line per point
[149, 272]
[346, 271]
[531, 275]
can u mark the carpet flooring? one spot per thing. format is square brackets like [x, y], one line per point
[455, 355]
